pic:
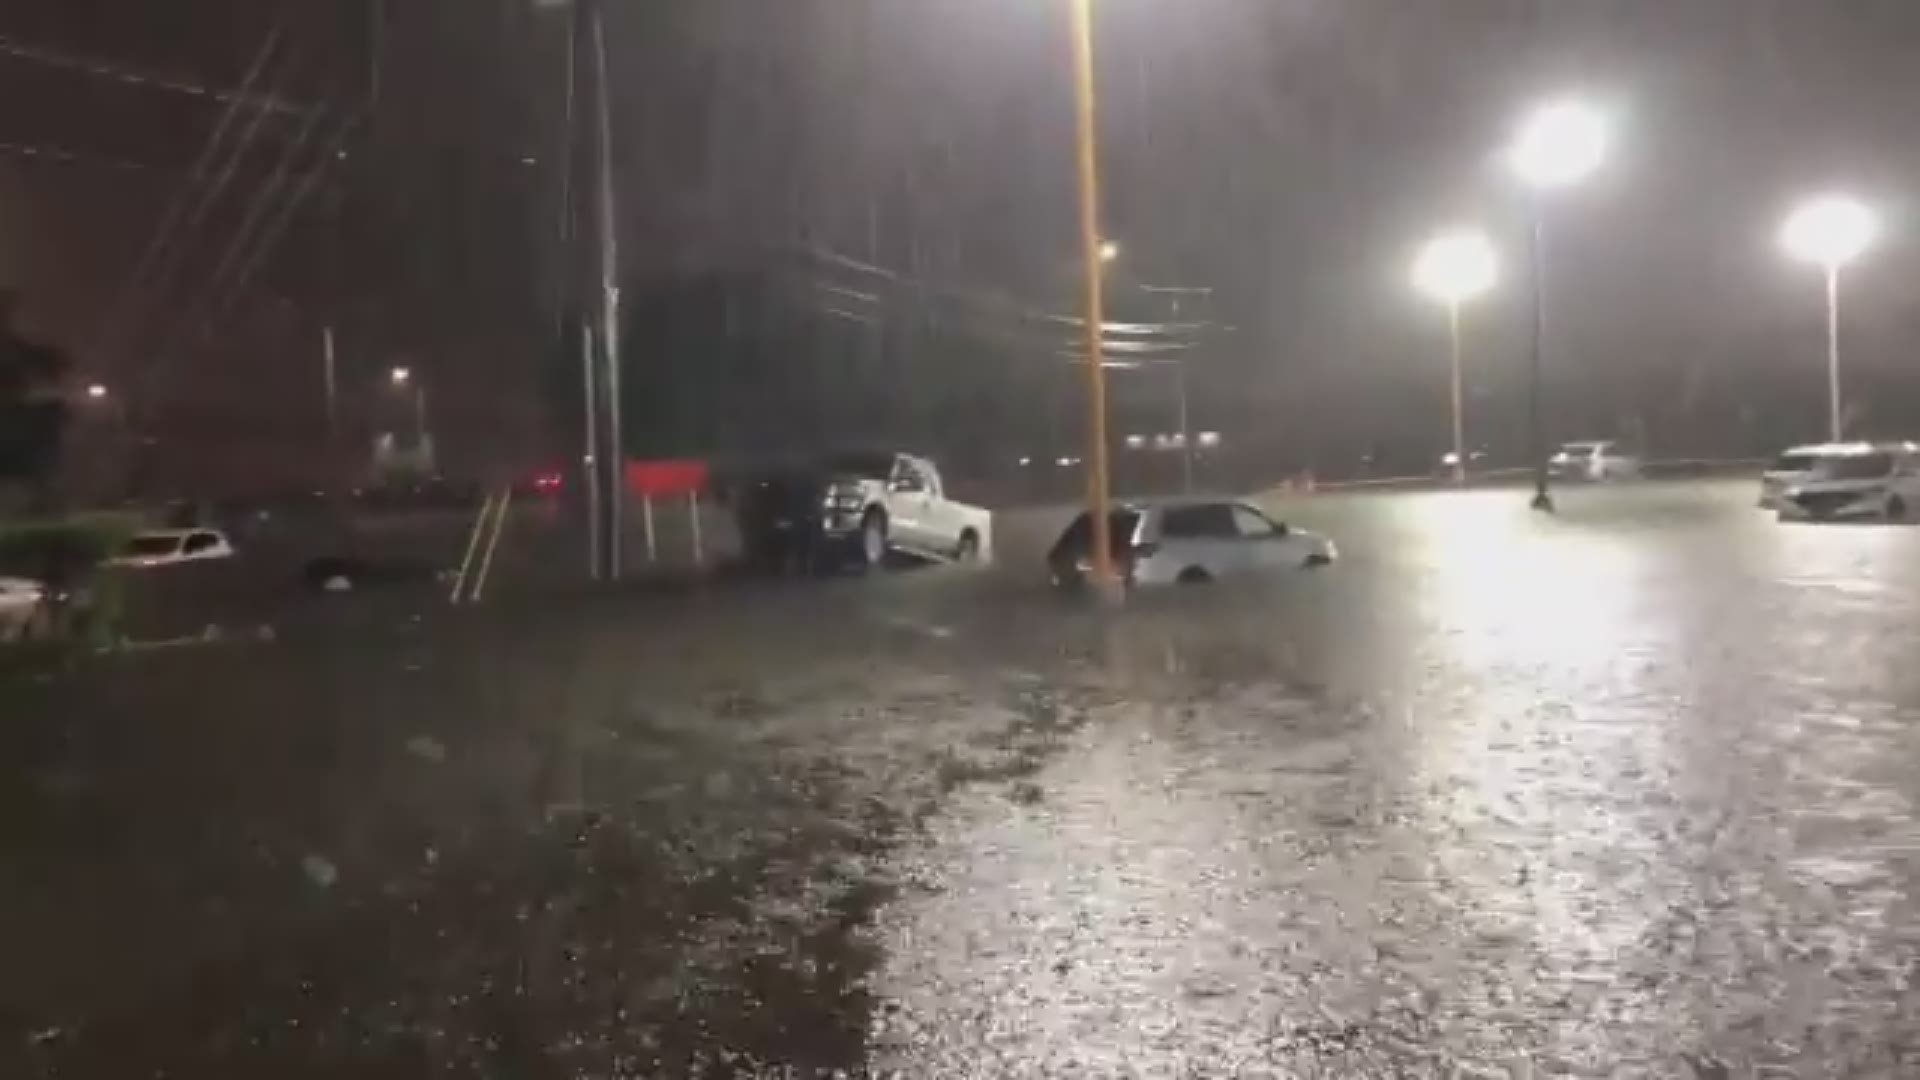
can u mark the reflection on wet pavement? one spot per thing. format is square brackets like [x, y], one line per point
[1612, 794]
[1623, 792]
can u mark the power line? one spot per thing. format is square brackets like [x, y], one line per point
[209, 309]
[260, 206]
[171, 258]
[178, 207]
[46, 57]
[62, 155]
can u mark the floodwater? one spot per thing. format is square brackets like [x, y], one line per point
[1625, 791]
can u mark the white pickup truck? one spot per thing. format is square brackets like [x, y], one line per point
[857, 508]
[874, 504]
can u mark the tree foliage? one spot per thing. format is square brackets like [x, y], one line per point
[33, 414]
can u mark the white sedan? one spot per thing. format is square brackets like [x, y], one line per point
[167, 547]
[1190, 543]
[1597, 462]
[20, 600]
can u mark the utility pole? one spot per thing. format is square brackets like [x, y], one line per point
[1536, 426]
[591, 455]
[612, 474]
[1088, 160]
[1176, 293]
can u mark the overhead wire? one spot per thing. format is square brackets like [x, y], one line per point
[177, 208]
[171, 258]
[16, 49]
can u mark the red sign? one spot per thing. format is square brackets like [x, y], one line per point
[662, 478]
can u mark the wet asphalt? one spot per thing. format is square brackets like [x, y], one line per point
[1625, 791]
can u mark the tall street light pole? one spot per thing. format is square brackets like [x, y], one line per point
[1830, 231]
[1176, 293]
[600, 333]
[1454, 267]
[609, 336]
[1094, 253]
[1557, 145]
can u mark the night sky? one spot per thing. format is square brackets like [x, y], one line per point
[1289, 153]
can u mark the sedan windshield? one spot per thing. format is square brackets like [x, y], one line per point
[151, 546]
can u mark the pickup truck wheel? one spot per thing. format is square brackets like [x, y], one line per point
[873, 539]
[969, 549]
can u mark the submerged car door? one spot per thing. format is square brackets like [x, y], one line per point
[1268, 544]
[1205, 536]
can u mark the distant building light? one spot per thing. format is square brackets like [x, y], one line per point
[1025, 461]
[1067, 462]
[1209, 439]
[1135, 442]
[96, 390]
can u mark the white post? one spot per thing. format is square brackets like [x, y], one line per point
[646, 516]
[332, 385]
[590, 461]
[693, 512]
[1459, 440]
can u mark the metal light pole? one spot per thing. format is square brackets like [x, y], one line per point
[1092, 251]
[1830, 232]
[609, 294]
[1536, 434]
[1175, 293]
[1459, 433]
[1833, 353]
[1558, 145]
[1452, 268]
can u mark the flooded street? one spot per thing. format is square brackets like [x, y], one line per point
[1627, 791]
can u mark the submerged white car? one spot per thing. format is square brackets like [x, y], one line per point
[1794, 466]
[168, 547]
[1852, 481]
[1597, 462]
[1189, 543]
[20, 600]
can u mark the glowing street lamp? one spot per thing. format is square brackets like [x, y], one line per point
[1109, 251]
[1453, 268]
[97, 391]
[1557, 145]
[1830, 231]
[400, 376]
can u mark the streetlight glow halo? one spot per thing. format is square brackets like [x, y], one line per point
[1558, 144]
[1456, 266]
[1829, 230]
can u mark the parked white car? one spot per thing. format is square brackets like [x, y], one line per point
[168, 547]
[1595, 462]
[20, 600]
[1795, 466]
[1854, 481]
[1189, 543]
